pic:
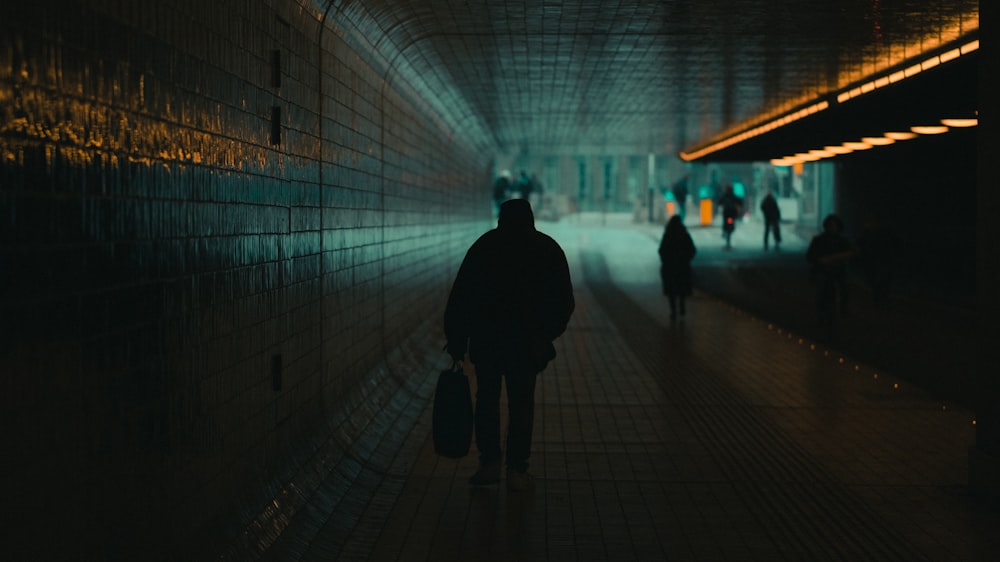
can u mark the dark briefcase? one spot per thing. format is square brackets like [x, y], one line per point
[452, 418]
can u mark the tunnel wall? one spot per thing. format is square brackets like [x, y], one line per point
[219, 219]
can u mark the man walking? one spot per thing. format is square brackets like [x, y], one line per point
[772, 219]
[511, 299]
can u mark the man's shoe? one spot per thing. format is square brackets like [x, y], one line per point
[519, 481]
[486, 475]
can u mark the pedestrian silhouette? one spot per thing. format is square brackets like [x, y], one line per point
[772, 219]
[676, 252]
[828, 256]
[680, 191]
[511, 299]
[501, 190]
[524, 186]
[731, 207]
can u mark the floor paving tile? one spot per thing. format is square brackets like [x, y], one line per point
[719, 437]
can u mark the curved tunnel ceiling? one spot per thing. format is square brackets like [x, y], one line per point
[632, 76]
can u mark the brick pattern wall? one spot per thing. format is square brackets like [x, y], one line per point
[216, 220]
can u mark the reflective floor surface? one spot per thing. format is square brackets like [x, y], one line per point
[719, 436]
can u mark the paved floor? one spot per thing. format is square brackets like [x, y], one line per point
[716, 437]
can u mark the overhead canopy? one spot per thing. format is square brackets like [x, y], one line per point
[633, 76]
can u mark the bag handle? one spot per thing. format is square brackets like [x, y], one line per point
[456, 364]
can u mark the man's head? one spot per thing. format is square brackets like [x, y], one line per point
[833, 224]
[516, 216]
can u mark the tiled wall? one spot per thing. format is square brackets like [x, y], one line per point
[202, 258]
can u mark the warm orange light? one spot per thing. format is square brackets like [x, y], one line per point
[857, 145]
[777, 120]
[929, 130]
[761, 129]
[821, 153]
[878, 141]
[951, 55]
[960, 122]
[838, 149]
[969, 47]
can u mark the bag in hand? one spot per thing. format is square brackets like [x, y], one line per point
[452, 418]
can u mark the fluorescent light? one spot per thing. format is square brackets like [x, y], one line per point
[929, 130]
[950, 55]
[838, 149]
[960, 122]
[878, 141]
[857, 145]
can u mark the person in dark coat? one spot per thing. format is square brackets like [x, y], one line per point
[676, 252]
[501, 189]
[511, 299]
[524, 186]
[829, 254]
[680, 191]
[731, 207]
[772, 219]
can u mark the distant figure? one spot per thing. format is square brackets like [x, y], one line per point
[676, 252]
[731, 207]
[680, 191]
[772, 219]
[828, 255]
[524, 186]
[511, 299]
[878, 247]
[501, 190]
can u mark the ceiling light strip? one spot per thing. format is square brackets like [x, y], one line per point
[756, 131]
[868, 143]
[846, 95]
[912, 70]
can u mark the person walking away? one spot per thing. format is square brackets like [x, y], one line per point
[524, 186]
[501, 190]
[538, 190]
[772, 219]
[676, 252]
[511, 299]
[828, 255]
[731, 206]
[680, 191]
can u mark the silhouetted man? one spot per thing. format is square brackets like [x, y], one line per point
[501, 189]
[732, 206]
[828, 255]
[511, 299]
[772, 219]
